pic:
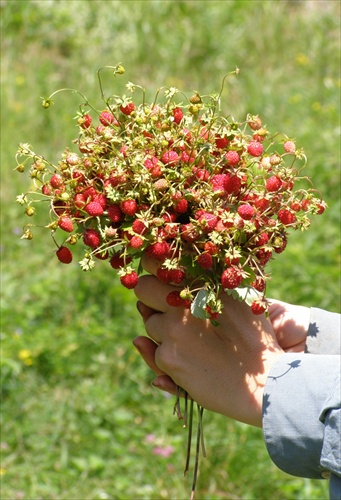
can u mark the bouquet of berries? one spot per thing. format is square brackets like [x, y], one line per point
[210, 198]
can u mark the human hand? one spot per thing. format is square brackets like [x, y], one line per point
[223, 368]
[290, 323]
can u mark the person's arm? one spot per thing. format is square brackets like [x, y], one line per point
[302, 416]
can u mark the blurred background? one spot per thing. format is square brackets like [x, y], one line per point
[80, 418]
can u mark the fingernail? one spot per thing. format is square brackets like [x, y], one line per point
[136, 346]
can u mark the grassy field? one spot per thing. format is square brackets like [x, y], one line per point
[79, 417]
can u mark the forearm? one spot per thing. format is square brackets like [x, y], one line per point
[301, 414]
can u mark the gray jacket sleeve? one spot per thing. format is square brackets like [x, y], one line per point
[302, 417]
[324, 333]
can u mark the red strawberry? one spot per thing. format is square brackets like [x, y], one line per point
[205, 260]
[255, 148]
[91, 238]
[66, 224]
[163, 275]
[139, 227]
[158, 250]
[56, 181]
[211, 248]
[273, 184]
[286, 217]
[136, 241]
[177, 275]
[189, 233]
[259, 306]
[174, 299]
[289, 147]
[85, 121]
[232, 184]
[94, 209]
[129, 280]
[178, 115]
[170, 158]
[231, 278]
[106, 118]
[207, 221]
[259, 284]
[246, 211]
[115, 214]
[232, 158]
[129, 207]
[181, 206]
[117, 261]
[221, 142]
[64, 254]
[128, 108]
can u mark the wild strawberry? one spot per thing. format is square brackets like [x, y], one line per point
[107, 118]
[158, 250]
[259, 284]
[177, 275]
[254, 122]
[56, 181]
[255, 148]
[85, 121]
[213, 315]
[262, 239]
[321, 206]
[161, 184]
[128, 108]
[136, 241]
[211, 248]
[181, 206]
[64, 254]
[231, 278]
[289, 147]
[163, 275]
[139, 227]
[262, 204]
[201, 173]
[174, 299]
[205, 260]
[295, 206]
[273, 184]
[115, 214]
[129, 280]
[66, 224]
[170, 158]
[207, 221]
[263, 255]
[91, 238]
[259, 306]
[232, 158]
[232, 184]
[118, 261]
[221, 142]
[286, 216]
[129, 207]
[189, 233]
[46, 190]
[178, 115]
[94, 209]
[246, 211]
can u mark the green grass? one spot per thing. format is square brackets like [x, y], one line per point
[79, 417]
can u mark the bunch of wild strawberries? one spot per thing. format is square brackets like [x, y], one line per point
[209, 198]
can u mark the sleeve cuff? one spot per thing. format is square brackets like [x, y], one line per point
[295, 394]
[324, 333]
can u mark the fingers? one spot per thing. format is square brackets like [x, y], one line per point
[153, 293]
[166, 383]
[147, 348]
[150, 265]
